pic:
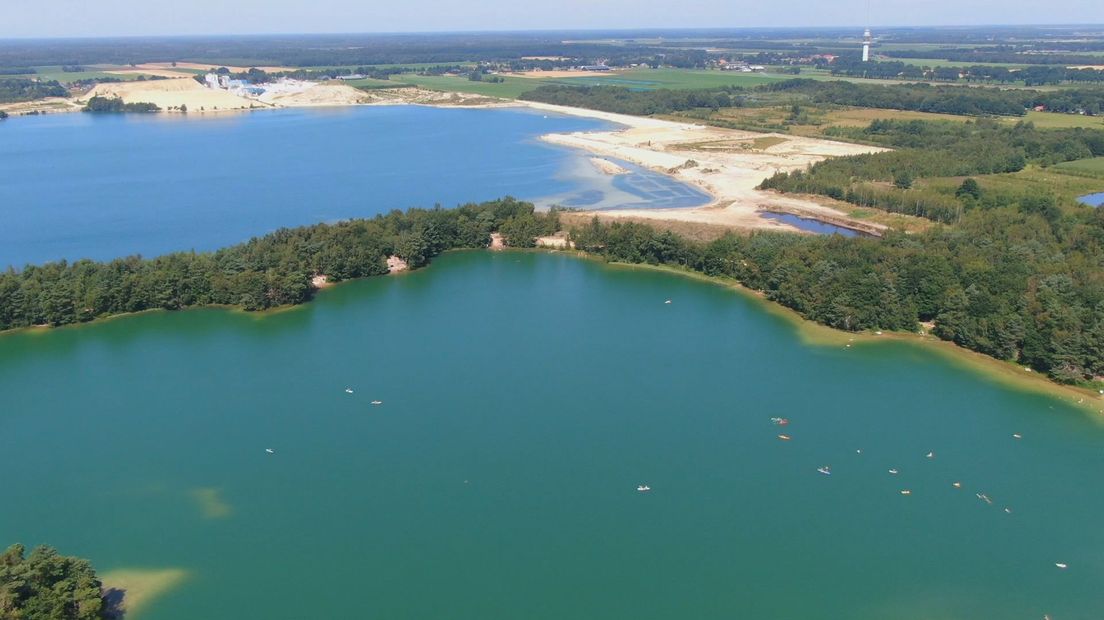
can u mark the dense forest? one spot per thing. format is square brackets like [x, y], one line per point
[265, 272]
[958, 100]
[14, 90]
[925, 149]
[625, 101]
[1036, 75]
[49, 586]
[1014, 280]
[116, 105]
[1008, 281]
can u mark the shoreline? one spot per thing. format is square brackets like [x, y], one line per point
[814, 334]
[726, 164]
[808, 332]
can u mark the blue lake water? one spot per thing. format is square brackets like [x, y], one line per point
[813, 226]
[83, 186]
[1093, 200]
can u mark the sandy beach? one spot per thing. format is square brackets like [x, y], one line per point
[727, 164]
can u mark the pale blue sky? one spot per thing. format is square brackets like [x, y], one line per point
[49, 18]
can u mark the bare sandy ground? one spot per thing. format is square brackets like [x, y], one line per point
[725, 163]
[318, 95]
[606, 166]
[173, 94]
[48, 105]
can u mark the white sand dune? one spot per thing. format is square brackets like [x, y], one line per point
[174, 93]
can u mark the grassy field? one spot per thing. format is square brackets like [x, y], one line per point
[1067, 187]
[651, 79]
[55, 73]
[1088, 167]
[813, 121]
[935, 62]
[1053, 120]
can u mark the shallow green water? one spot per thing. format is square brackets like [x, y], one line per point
[525, 396]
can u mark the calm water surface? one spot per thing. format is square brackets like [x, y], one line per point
[1093, 200]
[91, 186]
[811, 225]
[525, 396]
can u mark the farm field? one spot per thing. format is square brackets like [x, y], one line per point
[1033, 179]
[651, 79]
[1093, 167]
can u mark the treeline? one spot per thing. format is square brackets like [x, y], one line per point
[14, 90]
[958, 100]
[925, 149]
[18, 71]
[1036, 75]
[265, 272]
[1007, 282]
[49, 586]
[625, 101]
[116, 105]
[1005, 54]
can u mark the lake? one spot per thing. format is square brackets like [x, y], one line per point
[525, 396]
[103, 186]
[1093, 200]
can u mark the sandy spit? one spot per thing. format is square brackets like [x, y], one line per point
[725, 163]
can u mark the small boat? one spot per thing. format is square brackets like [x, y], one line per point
[348, 390]
[1017, 436]
[784, 437]
[1060, 565]
[377, 402]
[780, 421]
[270, 451]
[643, 488]
[827, 471]
[906, 492]
[985, 498]
[930, 455]
[667, 302]
[957, 485]
[858, 451]
[893, 471]
[1008, 510]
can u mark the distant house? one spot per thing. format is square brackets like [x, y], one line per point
[354, 76]
[594, 68]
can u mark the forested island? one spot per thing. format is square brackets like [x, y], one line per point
[48, 586]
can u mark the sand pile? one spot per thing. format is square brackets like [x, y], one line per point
[168, 94]
[318, 95]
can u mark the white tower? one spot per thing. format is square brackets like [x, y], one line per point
[866, 45]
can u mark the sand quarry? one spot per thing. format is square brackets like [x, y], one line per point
[171, 94]
[727, 164]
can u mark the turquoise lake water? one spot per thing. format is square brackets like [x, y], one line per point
[524, 398]
[94, 186]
